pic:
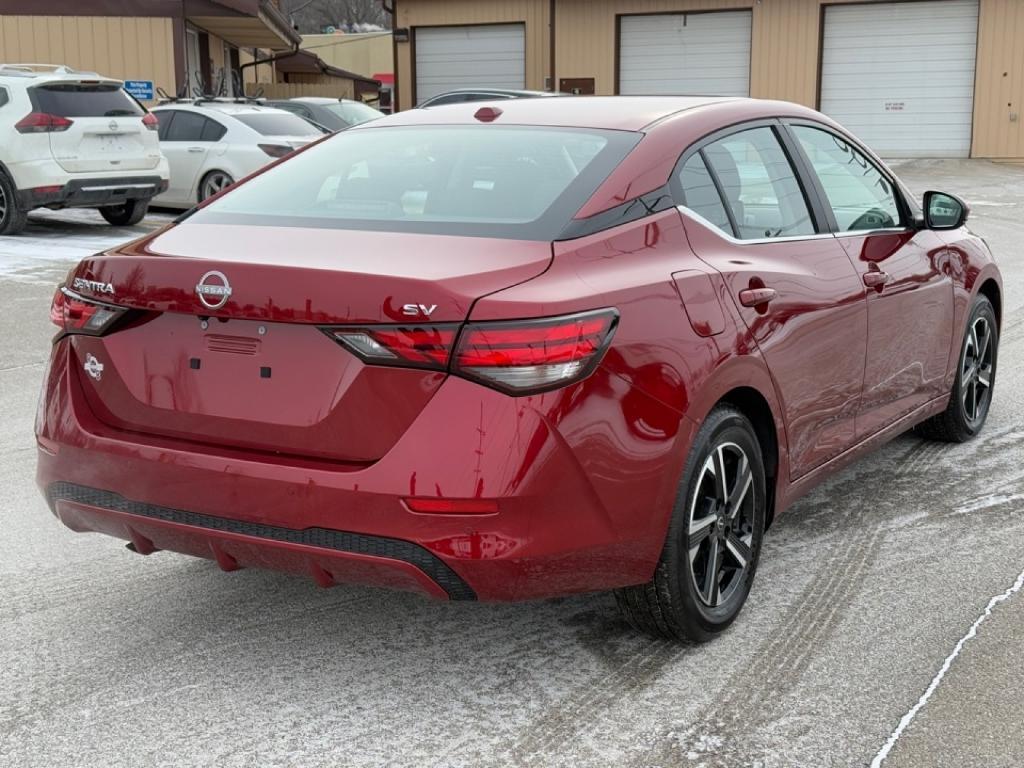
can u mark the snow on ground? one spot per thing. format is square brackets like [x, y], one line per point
[54, 240]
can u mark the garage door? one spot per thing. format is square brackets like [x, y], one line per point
[696, 54]
[901, 75]
[491, 56]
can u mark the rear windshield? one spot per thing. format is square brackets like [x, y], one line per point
[78, 100]
[353, 113]
[278, 124]
[486, 181]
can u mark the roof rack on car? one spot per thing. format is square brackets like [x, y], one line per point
[198, 101]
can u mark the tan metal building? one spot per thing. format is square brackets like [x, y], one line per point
[911, 77]
[177, 46]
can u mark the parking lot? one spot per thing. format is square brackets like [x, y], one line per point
[866, 590]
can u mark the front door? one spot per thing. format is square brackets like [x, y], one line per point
[794, 285]
[906, 273]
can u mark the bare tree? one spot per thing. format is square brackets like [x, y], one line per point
[313, 16]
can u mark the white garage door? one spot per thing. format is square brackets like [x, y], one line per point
[693, 54]
[901, 75]
[491, 56]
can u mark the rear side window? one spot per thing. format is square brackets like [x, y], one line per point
[212, 130]
[278, 124]
[759, 185]
[4, 98]
[188, 126]
[859, 194]
[79, 100]
[488, 181]
[700, 194]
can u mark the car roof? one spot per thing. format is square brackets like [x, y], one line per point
[627, 113]
[34, 74]
[223, 107]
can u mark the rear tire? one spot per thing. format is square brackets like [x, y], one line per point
[12, 218]
[214, 182]
[971, 397]
[720, 508]
[127, 215]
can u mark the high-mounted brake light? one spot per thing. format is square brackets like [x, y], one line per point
[73, 314]
[518, 357]
[151, 121]
[41, 122]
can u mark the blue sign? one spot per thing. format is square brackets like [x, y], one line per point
[140, 89]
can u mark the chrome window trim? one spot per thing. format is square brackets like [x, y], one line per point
[754, 241]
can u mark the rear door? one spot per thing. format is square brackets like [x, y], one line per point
[906, 272]
[186, 141]
[748, 216]
[106, 131]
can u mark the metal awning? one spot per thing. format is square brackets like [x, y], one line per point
[245, 23]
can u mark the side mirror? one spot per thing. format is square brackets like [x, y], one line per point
[944, 211]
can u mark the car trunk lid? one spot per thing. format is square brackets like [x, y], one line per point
[257, 372]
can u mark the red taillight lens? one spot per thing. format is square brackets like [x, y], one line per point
[151, 121]
[517, 357]
[73, 314]
[407, 346]
[275, 150]
[41, 122]
[525, 357]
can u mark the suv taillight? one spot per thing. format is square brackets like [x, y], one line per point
[517, 357]
[41, 122]
[73, 314]
[151, 121]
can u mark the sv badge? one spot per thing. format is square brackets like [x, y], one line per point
[414, 310]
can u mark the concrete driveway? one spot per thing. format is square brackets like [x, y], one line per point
[866, 593]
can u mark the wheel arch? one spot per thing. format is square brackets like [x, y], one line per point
[752, 404]
[990, 290]
[206, 174]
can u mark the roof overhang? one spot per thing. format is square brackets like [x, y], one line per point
[307, 62]
[247, 23]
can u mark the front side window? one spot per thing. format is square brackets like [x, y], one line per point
[487, 180]
[860, 196]
[759, 185]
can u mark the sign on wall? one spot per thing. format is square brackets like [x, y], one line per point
[140, 89]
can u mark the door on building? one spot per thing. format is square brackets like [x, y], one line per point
[193, 63]
[900, 75]
[691, 54]
[490, 55]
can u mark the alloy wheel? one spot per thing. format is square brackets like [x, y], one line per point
[3, 204]
[721, 525]
[976, 370]
[214, 183]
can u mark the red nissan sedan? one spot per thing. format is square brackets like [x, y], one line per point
[519, 351]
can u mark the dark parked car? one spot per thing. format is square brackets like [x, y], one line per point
[461, 95]
[506, 353]
[332, 114]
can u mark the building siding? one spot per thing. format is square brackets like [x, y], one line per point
[128, 48]
[785, 50]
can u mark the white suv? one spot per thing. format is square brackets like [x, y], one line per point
[212, 143]
[77, 139]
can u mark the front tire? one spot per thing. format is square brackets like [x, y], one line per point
[971, 397]
[711, 551]
[12, 218]
[128, 214]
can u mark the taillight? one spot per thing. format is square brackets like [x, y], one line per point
[517, 357]
[407, 346]
[151, 121]
[534, 355]
[275, 150]
[41, 122]
[73, 314]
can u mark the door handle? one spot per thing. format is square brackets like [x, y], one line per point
[756, 297]
[196, 149]
[876, 278]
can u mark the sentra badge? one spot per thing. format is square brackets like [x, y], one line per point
[81, 284]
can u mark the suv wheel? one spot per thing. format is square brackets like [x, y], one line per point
[714, 538]
[12, 218]
[126, 215]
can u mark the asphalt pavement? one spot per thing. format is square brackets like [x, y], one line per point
[884, 622]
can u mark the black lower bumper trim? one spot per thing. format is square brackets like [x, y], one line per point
[93, 192]
[340, 541]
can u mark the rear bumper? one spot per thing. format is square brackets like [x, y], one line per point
[93, 192]
[583, 496]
